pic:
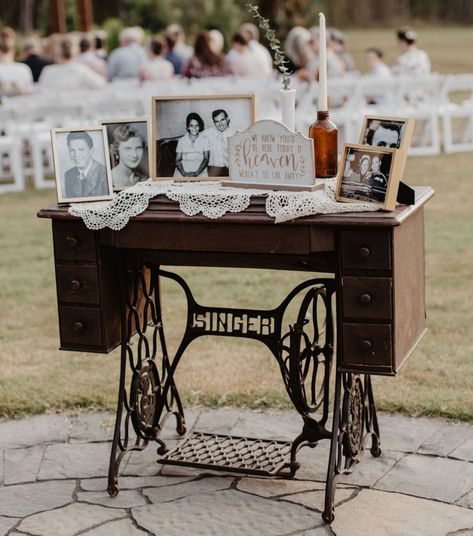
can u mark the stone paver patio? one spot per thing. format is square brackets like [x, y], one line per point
[53, 482]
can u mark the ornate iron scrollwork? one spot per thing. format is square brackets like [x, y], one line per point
[310, 352]
[352, 416]
[145, 389]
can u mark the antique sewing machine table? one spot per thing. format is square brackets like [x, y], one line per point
[371, 298]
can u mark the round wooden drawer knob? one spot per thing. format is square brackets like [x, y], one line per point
[365, 299]
[366, 345]
[364, 252]
[77, 327]
[71, 241]
[75, 284]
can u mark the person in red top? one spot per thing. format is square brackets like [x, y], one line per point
[205, 62]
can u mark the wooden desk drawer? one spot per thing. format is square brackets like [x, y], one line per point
[367, 297]
[366, 250]
[77, 283]
[73, 242]
[367, 345]
[80, 327]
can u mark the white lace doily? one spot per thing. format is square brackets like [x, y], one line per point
[212, 200]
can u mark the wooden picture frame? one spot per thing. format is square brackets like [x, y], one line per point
[387, 131]
[170, 120]
[141, 169]
[81, 164]
[370, 175]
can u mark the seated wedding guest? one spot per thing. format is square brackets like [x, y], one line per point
[243, 61]
[413, 61]
[251, 32]
[217, 40]
[15, 78]
[127, 60]
[377, 69]
[205, 62]
[299, 51]
[183, 51]
[335, 66]
[193, 150]
[172, 56]
[69, 74]
[337, 42]
[89, 58]
[376, 66]
[156, 68]
[32, 57]
[100, 46]
[128, 149]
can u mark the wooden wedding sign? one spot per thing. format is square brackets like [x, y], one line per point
[269, 155]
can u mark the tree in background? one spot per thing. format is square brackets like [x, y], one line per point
[226, 15]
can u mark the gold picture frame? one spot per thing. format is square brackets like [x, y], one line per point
[169, 122]
[369, 174]
[88, 177]
[144, 165]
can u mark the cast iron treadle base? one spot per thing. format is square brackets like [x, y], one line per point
[231, 453]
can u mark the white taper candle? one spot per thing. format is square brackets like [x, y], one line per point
[323, 105]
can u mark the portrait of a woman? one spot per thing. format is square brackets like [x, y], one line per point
[128, 148]
[193, 150]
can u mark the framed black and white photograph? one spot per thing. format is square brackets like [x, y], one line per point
[189, 134]
[390, 132]
[368, 174]
[127, 142]
[81, 164]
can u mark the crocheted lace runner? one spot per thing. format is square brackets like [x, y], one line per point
[212, 200]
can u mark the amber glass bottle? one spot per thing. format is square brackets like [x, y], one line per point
[324, 135]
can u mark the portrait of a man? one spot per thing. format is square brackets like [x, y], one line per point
[386, 132]
[217, 135]
[82, 169]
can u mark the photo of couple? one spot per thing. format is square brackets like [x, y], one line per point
[366, 174]
[191, 135]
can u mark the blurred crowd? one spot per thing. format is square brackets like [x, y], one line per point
[81, 61]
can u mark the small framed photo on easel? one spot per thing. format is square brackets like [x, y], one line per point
[369, 174]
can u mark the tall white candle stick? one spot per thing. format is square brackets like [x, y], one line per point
[323, 105]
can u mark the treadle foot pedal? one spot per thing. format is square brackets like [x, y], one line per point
[232, 453]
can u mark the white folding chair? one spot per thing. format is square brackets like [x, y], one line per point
[456, 109]
[418, 98]
[373, 96]
[11, 168]
[342, 105]
[41, 151]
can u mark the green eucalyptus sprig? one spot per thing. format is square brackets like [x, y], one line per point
[279, 58]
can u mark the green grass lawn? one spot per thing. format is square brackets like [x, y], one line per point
[437, 380]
